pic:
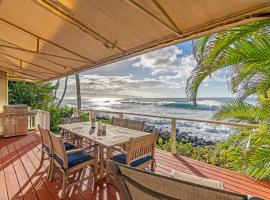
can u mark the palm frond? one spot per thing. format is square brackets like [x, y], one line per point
[238, 110]
[260, 163]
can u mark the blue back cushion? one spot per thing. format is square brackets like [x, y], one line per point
[121, 158]
[69, 146]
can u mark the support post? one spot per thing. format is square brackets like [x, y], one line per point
[3, 95]
[121, 116]
[93, 115]
[173, 133]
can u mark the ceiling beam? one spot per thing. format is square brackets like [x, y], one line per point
[13, 46]
[20, 60]
[145, 11]
[167, 16]
[45, 40]
[61, 11]
[34, 52]
[23, 73]
[49, 74]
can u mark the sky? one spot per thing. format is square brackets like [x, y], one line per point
[159, 74]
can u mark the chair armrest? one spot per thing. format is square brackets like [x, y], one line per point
[118, 149]
[82, 149]
[70, 139]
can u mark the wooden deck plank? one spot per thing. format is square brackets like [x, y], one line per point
[20, 167]
[209, 173]
[35, 177]
[23, 179]
[233, 181]
[3, 185]
[13, 188]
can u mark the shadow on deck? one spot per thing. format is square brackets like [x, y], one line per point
[20, 179]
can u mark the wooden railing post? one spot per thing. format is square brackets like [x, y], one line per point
[76, 113]
[121, 115]
[93, 115]
[173, 139]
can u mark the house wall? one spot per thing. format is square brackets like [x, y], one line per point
[3, 95]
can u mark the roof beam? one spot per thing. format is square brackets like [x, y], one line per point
[167, 16]
[13, 46]
[57, 8]
[25, 69]
[45, 40]
[142, 9]
[20, 60]
[46, 54]
[20, 72]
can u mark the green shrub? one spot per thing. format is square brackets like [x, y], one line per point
[57, 114]
[105, 121]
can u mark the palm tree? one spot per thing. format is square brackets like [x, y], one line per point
[78, 89]
[64, 92]
[245, 52]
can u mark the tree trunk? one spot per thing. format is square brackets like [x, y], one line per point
[64, 92]
[56, 88]
[78, 89]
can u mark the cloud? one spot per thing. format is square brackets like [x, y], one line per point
[169, 69]
[114, 85]
[169, 59]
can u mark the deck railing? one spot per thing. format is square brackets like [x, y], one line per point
[93, 113]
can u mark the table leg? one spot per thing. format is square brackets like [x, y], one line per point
[101, 163]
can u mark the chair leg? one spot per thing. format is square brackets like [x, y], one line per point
[64, 185]
[41, 159]
[51, 175]
[50, 168]
[153, 166]
[107, 172]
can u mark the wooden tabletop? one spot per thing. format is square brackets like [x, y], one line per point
[115, 135]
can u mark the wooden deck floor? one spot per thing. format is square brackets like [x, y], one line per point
[20, 179]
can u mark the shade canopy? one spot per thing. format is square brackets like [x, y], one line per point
[43, 40]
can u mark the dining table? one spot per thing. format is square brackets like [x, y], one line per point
[113, 136]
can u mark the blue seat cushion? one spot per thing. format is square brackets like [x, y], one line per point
[75, 158]
[121, 158]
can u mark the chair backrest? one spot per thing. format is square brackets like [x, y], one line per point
[70, 120]
[59, 149]
[141, 147]
[45, 138]
[138, 184]
[135, 125]
[119, 122]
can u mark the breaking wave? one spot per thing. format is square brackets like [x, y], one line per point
[201, 105]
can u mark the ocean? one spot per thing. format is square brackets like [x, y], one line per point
[181, 107]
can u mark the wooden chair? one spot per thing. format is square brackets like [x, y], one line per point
[141, 153]
[66, 134]
[71, 161]
[135, 125]
[46, 147]
[136, 184]
[119, 122]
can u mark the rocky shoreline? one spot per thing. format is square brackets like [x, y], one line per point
[184, 137]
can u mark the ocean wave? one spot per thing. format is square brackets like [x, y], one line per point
[201, 105]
